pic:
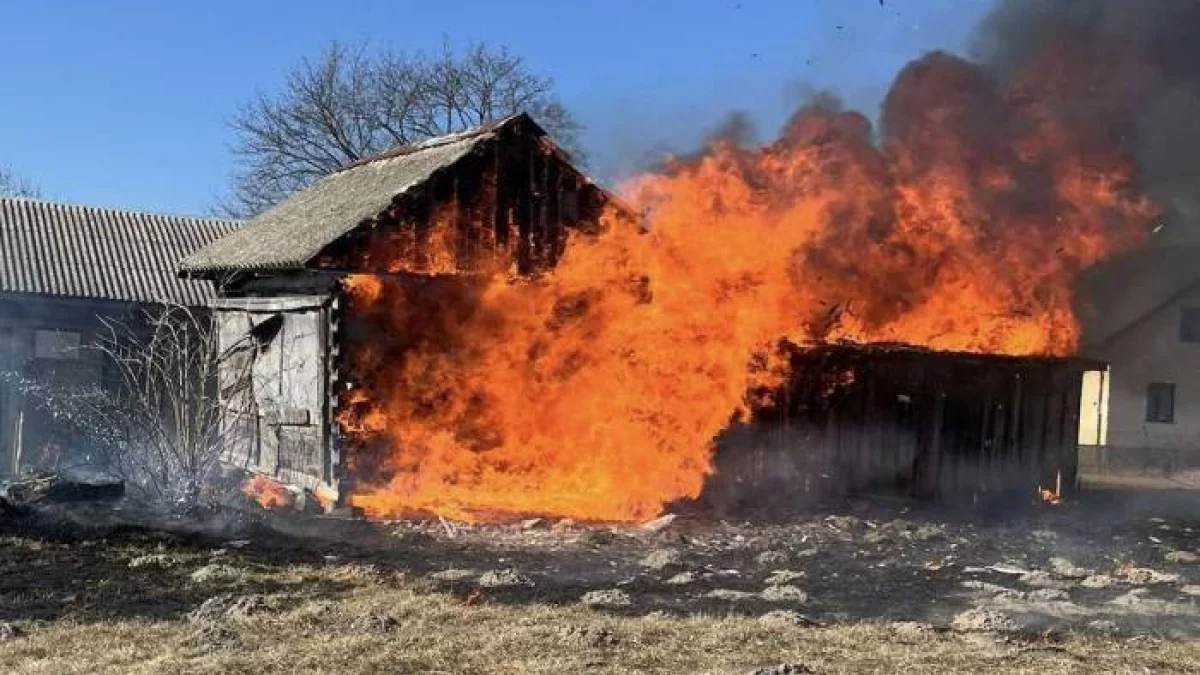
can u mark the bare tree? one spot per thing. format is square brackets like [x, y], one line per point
[350, 104]
[12, 185]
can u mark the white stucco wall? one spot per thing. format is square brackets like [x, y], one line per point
[1151, 351]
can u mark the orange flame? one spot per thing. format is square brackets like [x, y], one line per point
[267, 493]
[596, 391]
[1049, 497]
[325, 499]
[1052, 497]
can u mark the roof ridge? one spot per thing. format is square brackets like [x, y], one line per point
[293, 232]
[406, 149]
[119, 211]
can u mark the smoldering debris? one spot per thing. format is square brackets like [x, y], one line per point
[19, 494]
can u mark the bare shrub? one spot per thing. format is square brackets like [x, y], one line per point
[155, 419]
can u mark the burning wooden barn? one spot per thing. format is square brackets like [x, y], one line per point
[438, 228]
[497, 198]
[894, 418]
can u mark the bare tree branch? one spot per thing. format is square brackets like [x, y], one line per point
[350, 104]
[12, 185]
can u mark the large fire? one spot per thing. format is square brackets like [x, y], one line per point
[596, 391]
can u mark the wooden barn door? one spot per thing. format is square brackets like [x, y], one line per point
[277, 423]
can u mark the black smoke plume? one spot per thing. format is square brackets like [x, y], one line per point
[1131, 71]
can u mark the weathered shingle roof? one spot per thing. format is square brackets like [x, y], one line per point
[290, 234]
[87, 252]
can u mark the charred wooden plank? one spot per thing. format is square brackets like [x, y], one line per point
[945, 425]
[55, 488]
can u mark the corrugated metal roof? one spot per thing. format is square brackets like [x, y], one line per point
[88, 252]
[293, 232]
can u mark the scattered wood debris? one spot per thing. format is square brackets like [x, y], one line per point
[21, 493]
[659, 524]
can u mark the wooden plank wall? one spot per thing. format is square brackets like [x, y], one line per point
[507, 206]
[940, 426]
[25, 427]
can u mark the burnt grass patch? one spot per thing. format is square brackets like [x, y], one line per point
[865, 587]
[868, 561]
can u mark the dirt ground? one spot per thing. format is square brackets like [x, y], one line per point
[1109, 583]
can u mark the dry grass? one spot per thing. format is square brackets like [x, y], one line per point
[384, 622]
[344, 608]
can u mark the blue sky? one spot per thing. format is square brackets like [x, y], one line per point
[126, 103]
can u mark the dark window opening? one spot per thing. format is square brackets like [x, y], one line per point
[1189, 324]
[1160, 403]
